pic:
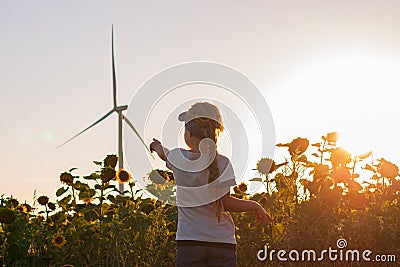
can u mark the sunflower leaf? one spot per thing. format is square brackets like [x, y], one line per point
[110, 186]
[65, 200]
[369, 167]
[87, 194]
[61, 191]
[282, 145]
[92, 176]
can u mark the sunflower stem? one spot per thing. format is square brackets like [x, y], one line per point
[131, 189]
[73, 195]
[267, 180]
[47, 213]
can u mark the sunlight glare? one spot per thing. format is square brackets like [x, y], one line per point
[354, 94]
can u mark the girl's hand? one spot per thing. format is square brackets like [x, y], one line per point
[159, 149]
[154, 145]
[262, 215]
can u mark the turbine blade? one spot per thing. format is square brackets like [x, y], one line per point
[137, 134]
[113, 68]
[81, 132]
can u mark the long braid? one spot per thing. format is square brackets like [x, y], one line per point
[211, 130]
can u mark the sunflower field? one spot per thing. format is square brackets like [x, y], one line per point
[317, 195]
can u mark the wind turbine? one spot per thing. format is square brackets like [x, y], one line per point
[118, 110]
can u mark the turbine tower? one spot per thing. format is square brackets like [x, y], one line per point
[121, 117]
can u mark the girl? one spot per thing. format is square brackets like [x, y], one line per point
[206, 232]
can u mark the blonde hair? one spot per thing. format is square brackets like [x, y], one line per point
[208, 117]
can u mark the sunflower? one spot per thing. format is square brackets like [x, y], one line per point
[157, 177]
[24, 208]
[265, 165]
[66, 178]
[242, 187]
[59, 241]
[21, 208]
[110, 161]
[236, 189]
[332, 137]
[43, 200]
[298, 146]
[6, 216]
[123, 176]
[28, 207]
[388, 169]
[13, 203]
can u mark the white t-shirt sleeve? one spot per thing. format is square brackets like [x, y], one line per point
[170, 153]
[227, 176]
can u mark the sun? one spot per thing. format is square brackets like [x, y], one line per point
[353, 93]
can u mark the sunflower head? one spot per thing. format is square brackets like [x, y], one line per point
[59, 241]
[167, 175]
[158, 177]
[24, 208]
[43, 200]
[242, 187]
[67, 178]
[332, 137]
[123, 176]
[298, 146]
[265, 166]
[110, 161]
[388, 169]
[236, 189]
[7, 216]
[28, 207]
[12, 203]
[21, 208]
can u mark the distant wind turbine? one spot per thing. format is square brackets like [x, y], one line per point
[121, 117]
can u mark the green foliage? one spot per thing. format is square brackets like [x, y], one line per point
[316, 195]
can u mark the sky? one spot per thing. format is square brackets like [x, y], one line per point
[321, 66]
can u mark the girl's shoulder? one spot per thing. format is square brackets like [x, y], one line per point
[223, 158]
[178, 154]
[178, 150]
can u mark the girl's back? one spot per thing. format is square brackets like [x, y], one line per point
[195, 196]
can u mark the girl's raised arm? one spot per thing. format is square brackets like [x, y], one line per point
[159, 149]
[241, 205]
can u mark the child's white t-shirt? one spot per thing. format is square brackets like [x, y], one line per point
[196, 197]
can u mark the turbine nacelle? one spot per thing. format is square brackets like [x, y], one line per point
[121, 108]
